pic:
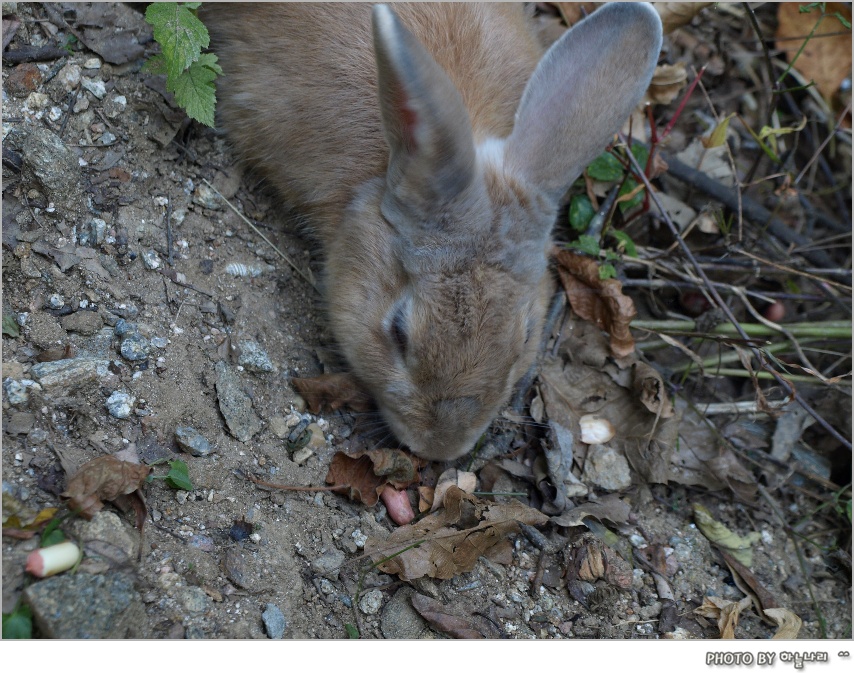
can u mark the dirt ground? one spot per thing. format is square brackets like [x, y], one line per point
[109, 299]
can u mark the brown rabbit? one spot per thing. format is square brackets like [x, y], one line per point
[428, 147]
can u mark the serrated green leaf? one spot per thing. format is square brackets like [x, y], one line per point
[195, 91]
[580, 212]
[607, 271]
[18, 625]
[625, 243]
[156, 65]
[587, 244]
[179, 476]
[606, 168]
[179, 33]
[10, 327]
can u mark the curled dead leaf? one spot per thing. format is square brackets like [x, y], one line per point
[601, 302]
[449, 541]
[677, 14]
[103, 478]
[667, 82]
[444, 618]
[364, 475]
[649, 387]
[465, 481]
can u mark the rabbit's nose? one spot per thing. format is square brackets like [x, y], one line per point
[456, 410]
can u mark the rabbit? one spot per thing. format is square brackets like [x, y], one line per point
[427, 147]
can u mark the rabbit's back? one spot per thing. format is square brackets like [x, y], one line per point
[299, 93]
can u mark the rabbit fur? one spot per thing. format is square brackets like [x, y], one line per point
[428, 147]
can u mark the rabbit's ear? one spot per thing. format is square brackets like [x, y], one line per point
[426, 125]
[582, 91]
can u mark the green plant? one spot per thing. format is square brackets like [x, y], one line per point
[178, 476]
[190, 74]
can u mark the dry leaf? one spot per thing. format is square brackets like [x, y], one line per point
[449, 541]
[366, 474]
[667, 82]
[465, 481]
[788, 622]
[601, 302]
[649, 387]
[826, 58]
[608, 508]
[741, 548]
[442, 618]
[573, 12]
[332, 391]
[677, 14]
[724, 612]
[750, 585]
[103, 478]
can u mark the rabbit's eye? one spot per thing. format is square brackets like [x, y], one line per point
[397, 331]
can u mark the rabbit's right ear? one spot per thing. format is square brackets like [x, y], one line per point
[582, 91]
[426, 125]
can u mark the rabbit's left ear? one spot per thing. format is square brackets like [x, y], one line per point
[582, 91]
[426, 124]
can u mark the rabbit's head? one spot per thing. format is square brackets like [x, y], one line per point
[438, 275]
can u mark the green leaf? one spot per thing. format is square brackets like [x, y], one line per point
[10, 327]
[52, 538]
[179, 33]
[179, 476]
[607, 271]
[586, 244]
[352, 631]
[641, 154]
[624, 242]
[606, 167]
[628, 186]
[580, 212]
[718, 136]
[156, 65]
[18, 625]
[195, 91]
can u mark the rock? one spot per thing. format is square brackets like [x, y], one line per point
[18, 391]
[120, 405]
[235, 405]
[69, 77]
[23, 79]
[106, 538]
[191, 441]
[279, 426]
[94, 86]
[50, 163]
[371, 602]
[206, 197]
[194, 600]
[86, 323]
[20, 423]
[274, 621]
[254, 358]
[83, 606]
[44, 331]
[400, 621]
[135, 347]
[606, 468]
[69, 373]
[329, 563]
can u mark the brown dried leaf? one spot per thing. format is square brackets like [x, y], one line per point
[608, 508]
[449, 541]
[826, 58]
[332, 391]
[442, 617]
[103, 478]
[649, 387]
[788, 622]
[366, 474]
[724, 612]
[677, 14]
[466, 481]
[745, 580]
[601, 302]
[667, 82]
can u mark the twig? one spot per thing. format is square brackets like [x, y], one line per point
[261, 234]
[29, 54]
[823, 144]
[728, 312]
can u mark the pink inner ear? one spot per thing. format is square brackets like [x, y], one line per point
[408, 118]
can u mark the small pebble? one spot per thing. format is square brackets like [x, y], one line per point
[120, 405]
[371, 602]
[191, 441]
[274, 621]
